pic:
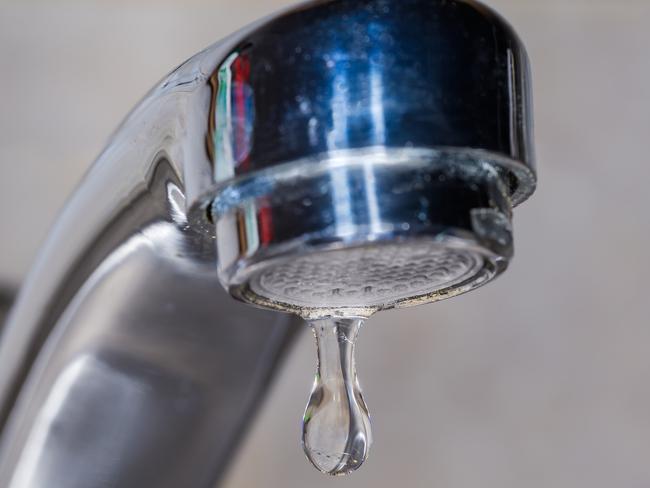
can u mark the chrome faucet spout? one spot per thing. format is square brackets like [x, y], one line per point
[347, 156]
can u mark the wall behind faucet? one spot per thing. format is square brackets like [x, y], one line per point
[540, 379]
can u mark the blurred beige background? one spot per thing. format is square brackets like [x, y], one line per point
[541, 379]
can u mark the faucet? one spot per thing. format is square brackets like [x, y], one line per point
[335, 159]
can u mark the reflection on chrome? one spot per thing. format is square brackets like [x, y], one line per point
[27, 473]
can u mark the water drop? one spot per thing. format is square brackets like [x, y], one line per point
[336, 433]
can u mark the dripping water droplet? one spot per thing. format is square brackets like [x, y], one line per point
[336, 433]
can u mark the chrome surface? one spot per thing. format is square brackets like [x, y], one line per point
[402, 74]
[412, 125]
[124, 363]
[360, 232]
